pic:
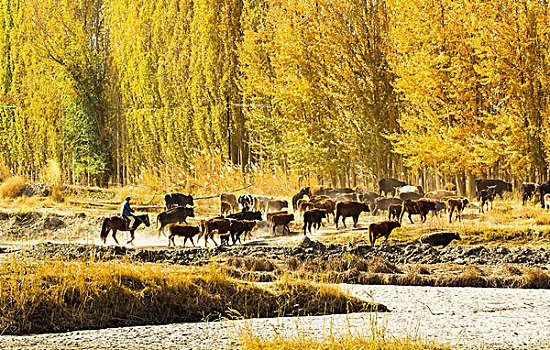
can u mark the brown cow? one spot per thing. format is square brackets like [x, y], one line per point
[282, 220]
[394, 211]
[276, 205]
[225, 207]
[231, 199]
[351, 208]
[186, 231]
[328, 205]
[457, 204]
[316, 199]
[420, 207]
[240, 227]
[449, 187]
[381, 229]
[220, 226]
[317, 190]
[304, 204]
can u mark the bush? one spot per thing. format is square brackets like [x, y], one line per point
[12, 187]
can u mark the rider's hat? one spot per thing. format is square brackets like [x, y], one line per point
[128, 198]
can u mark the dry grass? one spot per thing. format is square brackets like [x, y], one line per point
[12, 187]
[370, 337]
[55, 296]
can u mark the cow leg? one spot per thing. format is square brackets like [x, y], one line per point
[451, 215]
[193, 243]
[355, 220]
[410, 218]
[344, 221]
[274, 226]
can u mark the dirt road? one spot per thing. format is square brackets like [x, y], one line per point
[461, 317]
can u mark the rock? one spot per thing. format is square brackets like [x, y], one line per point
[53, 223]
[37, 189]
[308, 243]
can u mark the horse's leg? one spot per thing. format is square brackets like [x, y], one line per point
[114, 236]
[131, 237]
[106, 235]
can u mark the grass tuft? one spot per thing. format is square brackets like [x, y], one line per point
[55, 296]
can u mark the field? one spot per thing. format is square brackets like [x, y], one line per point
[47, 242]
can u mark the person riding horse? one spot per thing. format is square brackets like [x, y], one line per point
[126, 213]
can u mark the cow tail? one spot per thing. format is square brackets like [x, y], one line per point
[104, 228]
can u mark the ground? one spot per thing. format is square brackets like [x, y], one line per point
[505, 247]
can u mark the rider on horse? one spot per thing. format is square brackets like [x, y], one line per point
[126, 213]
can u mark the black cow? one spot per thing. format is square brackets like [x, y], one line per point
[388, 185]
[303, 192]
[313, 218]
[486, 196]
[246, 201]
[177, 199]
[173, 216]
[501, 186]
[528, 190]
[383, 203]
[544, 189]
[246, 215]
[410, 195]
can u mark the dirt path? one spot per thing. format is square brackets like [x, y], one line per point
[460, 317]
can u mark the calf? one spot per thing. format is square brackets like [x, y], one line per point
[439, 206]
[276, 205]
[220, 226]
[282, 220]
[486, 196]
[225, 207]
[546, 201]
[369, 197]
[186, 231]
[528, 189]
[304, 204]
[351, 208]
[231, 199]
[313, 218]
[394, 211]
[240, 227]
[439, 238]
[420, 207]
[457, 204]
[383, 203]
[381, 229]
[410, 207]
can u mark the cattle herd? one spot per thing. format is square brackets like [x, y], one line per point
[240, 215]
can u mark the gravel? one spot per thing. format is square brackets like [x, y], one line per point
[409, 254]
[470, 318]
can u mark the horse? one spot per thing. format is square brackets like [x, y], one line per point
[118, 223]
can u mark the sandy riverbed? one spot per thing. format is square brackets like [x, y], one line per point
[461, 317]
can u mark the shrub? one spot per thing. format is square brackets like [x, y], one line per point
[12, 187]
